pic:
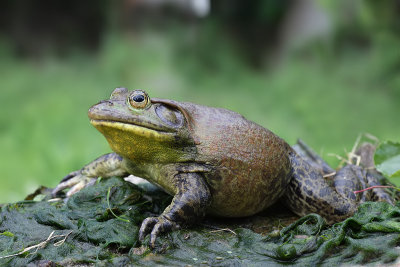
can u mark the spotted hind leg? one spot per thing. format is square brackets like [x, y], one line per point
[332, 197]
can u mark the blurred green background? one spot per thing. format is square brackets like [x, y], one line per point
[324, 71]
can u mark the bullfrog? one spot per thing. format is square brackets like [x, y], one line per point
[213, 161]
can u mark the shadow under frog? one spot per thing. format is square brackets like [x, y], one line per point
[213, 161]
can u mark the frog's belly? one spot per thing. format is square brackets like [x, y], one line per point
[244, 197]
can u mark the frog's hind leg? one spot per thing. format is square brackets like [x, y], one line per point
[332, 197]
[378, 194]
[303, 150]
[364, 177]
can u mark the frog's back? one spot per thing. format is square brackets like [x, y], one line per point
[250, 164]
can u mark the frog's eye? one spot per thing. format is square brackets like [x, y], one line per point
[139, 99]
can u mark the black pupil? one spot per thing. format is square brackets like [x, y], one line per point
[138, 98]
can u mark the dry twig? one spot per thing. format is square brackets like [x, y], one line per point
[41, 244]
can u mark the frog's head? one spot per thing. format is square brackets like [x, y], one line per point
[144, 129]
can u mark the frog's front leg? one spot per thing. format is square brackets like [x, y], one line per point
[188, 205]
[105, 166]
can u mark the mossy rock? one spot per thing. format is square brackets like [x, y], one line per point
[99, 226]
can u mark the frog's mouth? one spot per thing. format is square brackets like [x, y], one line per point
[107, 126]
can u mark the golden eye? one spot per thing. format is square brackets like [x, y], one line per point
[139, 99]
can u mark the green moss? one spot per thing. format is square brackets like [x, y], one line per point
[90, 237]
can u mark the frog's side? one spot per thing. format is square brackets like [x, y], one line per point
[212, 161]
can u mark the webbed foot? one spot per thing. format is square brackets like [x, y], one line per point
[156, 226]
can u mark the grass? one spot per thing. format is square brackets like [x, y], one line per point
[45, 133]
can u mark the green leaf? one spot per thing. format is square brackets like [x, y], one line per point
[387, 158]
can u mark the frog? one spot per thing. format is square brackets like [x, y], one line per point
[214, 162]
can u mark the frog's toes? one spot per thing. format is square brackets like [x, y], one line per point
[70, 175]
[76, 183]
[146, 226]
[86, 181]
[156, 225]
